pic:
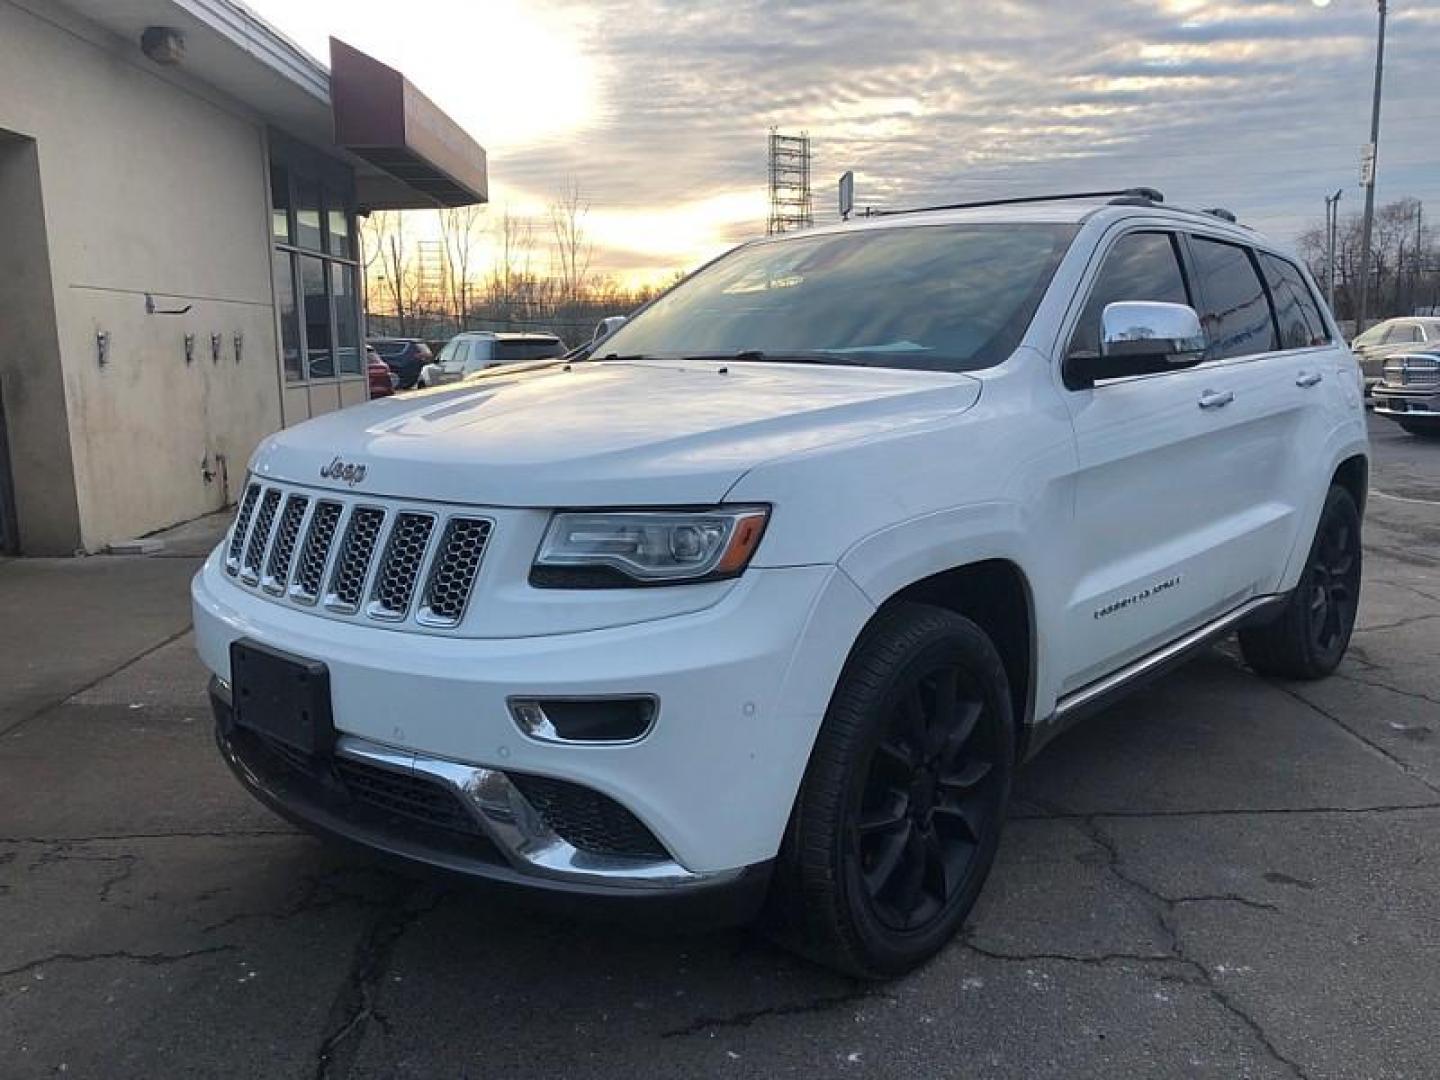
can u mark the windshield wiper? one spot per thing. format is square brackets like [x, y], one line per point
[759, 355]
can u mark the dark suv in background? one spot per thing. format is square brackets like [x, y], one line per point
[406, 356]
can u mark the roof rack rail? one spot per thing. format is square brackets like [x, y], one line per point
[1129, 195]
[1221, 213]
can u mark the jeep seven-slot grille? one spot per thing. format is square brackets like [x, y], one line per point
[259, 537]
[242, 527]
[277, 566]
[353, 563]
[370, 561]
[306, 586]
[453, 576]
[400, 567]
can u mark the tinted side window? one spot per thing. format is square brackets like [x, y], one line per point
[1141, 266]
[479, 355]
[1295, 308]
[510, 351]
[1402, 334]
[1236, 315]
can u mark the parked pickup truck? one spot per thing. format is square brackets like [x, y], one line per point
[1409, 392]
[762, 605]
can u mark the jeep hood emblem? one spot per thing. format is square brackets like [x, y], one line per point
[347, 472]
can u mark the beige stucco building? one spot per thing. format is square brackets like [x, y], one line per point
[179, 187]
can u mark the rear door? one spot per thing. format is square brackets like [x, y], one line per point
[1303, 378]
[1173, 520]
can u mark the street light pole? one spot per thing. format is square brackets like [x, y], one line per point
[1372, 153]
[1332, 227]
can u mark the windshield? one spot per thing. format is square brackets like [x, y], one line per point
[389, 348]
[933, 297]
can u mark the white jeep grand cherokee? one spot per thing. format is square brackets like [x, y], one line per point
[766, 603]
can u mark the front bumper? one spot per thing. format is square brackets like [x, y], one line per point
[742, 687]
[454, 818]
[1409, 403]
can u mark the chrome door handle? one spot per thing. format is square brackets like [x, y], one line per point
[1215, 399]
[1307, 379]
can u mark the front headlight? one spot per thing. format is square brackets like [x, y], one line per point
[596, 550]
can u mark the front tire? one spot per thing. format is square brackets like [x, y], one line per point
[1309, 638]
[898, 818]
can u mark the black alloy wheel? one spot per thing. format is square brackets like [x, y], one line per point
[899, 815]
[931, 794]
[1332, 584]
[1308, 639]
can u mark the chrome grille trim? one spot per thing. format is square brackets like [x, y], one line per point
[282, 551]
[400, 565]
[451, 580]
[259, 537]
[1408, 371]
[241, 528]
[353, 564]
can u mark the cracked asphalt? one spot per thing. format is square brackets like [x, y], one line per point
[1223, 876]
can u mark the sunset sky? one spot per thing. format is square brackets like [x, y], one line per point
[659, 109]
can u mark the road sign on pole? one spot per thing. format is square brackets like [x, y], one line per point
[1367, 165]
[847, 194]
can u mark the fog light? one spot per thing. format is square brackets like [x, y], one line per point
[618, 719]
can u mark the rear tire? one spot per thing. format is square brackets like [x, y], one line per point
[898, 818]
[1309, 638]
[1426, 429]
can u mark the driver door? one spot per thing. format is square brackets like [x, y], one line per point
[1162, 538]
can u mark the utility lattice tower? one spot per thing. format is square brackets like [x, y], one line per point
[430, 273]
[790, 206]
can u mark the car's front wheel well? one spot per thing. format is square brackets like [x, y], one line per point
[995, 595]
[1353, 474]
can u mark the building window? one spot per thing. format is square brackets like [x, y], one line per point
[316, 276]
[347, 326]
[320, 359]
[289, 314]
[280, 205]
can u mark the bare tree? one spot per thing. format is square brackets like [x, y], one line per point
[512, 286]
[573, 250]
[1404, 262]
[390, 266]
[459, 232]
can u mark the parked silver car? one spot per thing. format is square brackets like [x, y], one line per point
[1409, 392]
[1390, 338]
[475, 350]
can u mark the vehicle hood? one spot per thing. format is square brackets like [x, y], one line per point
[612, 433]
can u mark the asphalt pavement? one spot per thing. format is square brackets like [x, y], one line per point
[1223, 876]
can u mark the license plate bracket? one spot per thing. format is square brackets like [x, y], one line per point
[281, 696]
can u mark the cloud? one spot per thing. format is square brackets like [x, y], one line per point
[1259, 105]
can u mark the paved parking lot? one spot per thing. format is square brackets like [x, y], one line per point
[1223, 876]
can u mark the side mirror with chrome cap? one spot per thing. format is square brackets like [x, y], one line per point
[1139, 337]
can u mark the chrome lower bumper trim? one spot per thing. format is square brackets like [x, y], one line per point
[531, 849]
[515, 827]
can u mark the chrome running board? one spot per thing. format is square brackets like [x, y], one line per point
[1095, 695]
